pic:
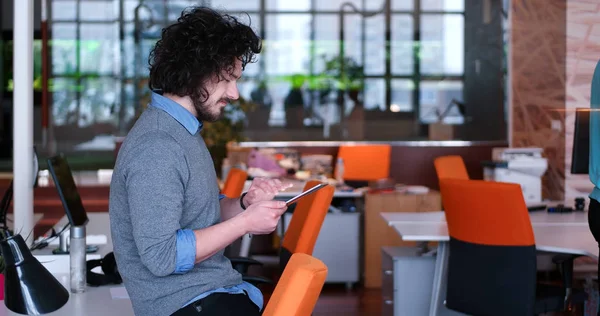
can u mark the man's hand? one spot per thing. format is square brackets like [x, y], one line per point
[263, 189]
[262, 217]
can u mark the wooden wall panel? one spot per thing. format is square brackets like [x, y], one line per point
[538, 32]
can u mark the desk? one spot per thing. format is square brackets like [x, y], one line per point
[99, 224]
[537, 218]
[95, 301]
[559, 233]
[569, 239]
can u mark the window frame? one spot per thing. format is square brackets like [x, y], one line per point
[416, 76]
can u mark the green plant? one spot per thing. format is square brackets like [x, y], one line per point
[347, 74]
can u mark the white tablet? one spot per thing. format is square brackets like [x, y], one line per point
[307, 192]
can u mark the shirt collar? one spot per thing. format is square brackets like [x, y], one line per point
[178, 112]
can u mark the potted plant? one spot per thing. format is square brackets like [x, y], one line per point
[347, 75]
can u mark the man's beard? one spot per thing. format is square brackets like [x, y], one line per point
[203, 110]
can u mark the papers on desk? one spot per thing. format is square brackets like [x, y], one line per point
[119, 293]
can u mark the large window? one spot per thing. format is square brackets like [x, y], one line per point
[399, 65]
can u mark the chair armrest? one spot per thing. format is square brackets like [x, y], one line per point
[241, 264]
[255, 280]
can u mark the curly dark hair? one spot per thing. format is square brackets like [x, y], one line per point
[200, 46]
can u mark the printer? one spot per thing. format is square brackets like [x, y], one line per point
[524, 166]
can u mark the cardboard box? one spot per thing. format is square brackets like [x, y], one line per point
[440, 131]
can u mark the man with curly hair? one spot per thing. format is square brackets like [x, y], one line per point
[169, 224]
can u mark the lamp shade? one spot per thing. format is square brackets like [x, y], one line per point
[29, 288]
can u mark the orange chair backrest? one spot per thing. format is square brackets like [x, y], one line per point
[305, 225]
[234, 183]
[450, 167]
[299, 287]
[365, 162]
[486, 213]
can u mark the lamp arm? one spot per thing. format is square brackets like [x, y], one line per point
[356, 10]
[449, 107]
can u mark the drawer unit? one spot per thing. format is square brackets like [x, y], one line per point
[338, 246]
[407, 281]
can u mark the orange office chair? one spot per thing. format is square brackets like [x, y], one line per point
[305, 225]
[299, 287]
[450, 167]
[234, 183]
[492, 260]
[302, 232]
[365, 162]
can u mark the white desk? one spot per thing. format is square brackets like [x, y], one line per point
[96, 301]
[560, 233]
[569, 239]
[541, 218]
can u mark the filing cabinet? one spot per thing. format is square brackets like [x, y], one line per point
[378, 233]
[338, 246]
[406, 281]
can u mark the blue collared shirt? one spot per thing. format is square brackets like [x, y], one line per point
[186, 241]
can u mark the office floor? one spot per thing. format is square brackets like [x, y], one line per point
[337, 300]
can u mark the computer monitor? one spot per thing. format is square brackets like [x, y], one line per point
[581, 142]
[67, 190]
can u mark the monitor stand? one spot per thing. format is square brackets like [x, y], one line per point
[88, 249]
[63, 246]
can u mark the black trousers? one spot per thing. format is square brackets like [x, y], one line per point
[594, 222]
[220, 304]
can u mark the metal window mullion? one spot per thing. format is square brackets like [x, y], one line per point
[121, 76]
[363, 45]
[388, 58]
[416, 93]
[261, 63]
[312, 52]
[78, 59]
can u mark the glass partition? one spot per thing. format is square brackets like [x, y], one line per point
[398, 68]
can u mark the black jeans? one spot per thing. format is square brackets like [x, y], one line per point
[220, 304]
[594, 222]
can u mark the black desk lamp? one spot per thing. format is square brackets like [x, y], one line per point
[29, 288]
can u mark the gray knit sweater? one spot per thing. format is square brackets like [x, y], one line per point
[163, 180]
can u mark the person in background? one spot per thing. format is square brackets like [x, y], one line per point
[594, 168]
[169, 224]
